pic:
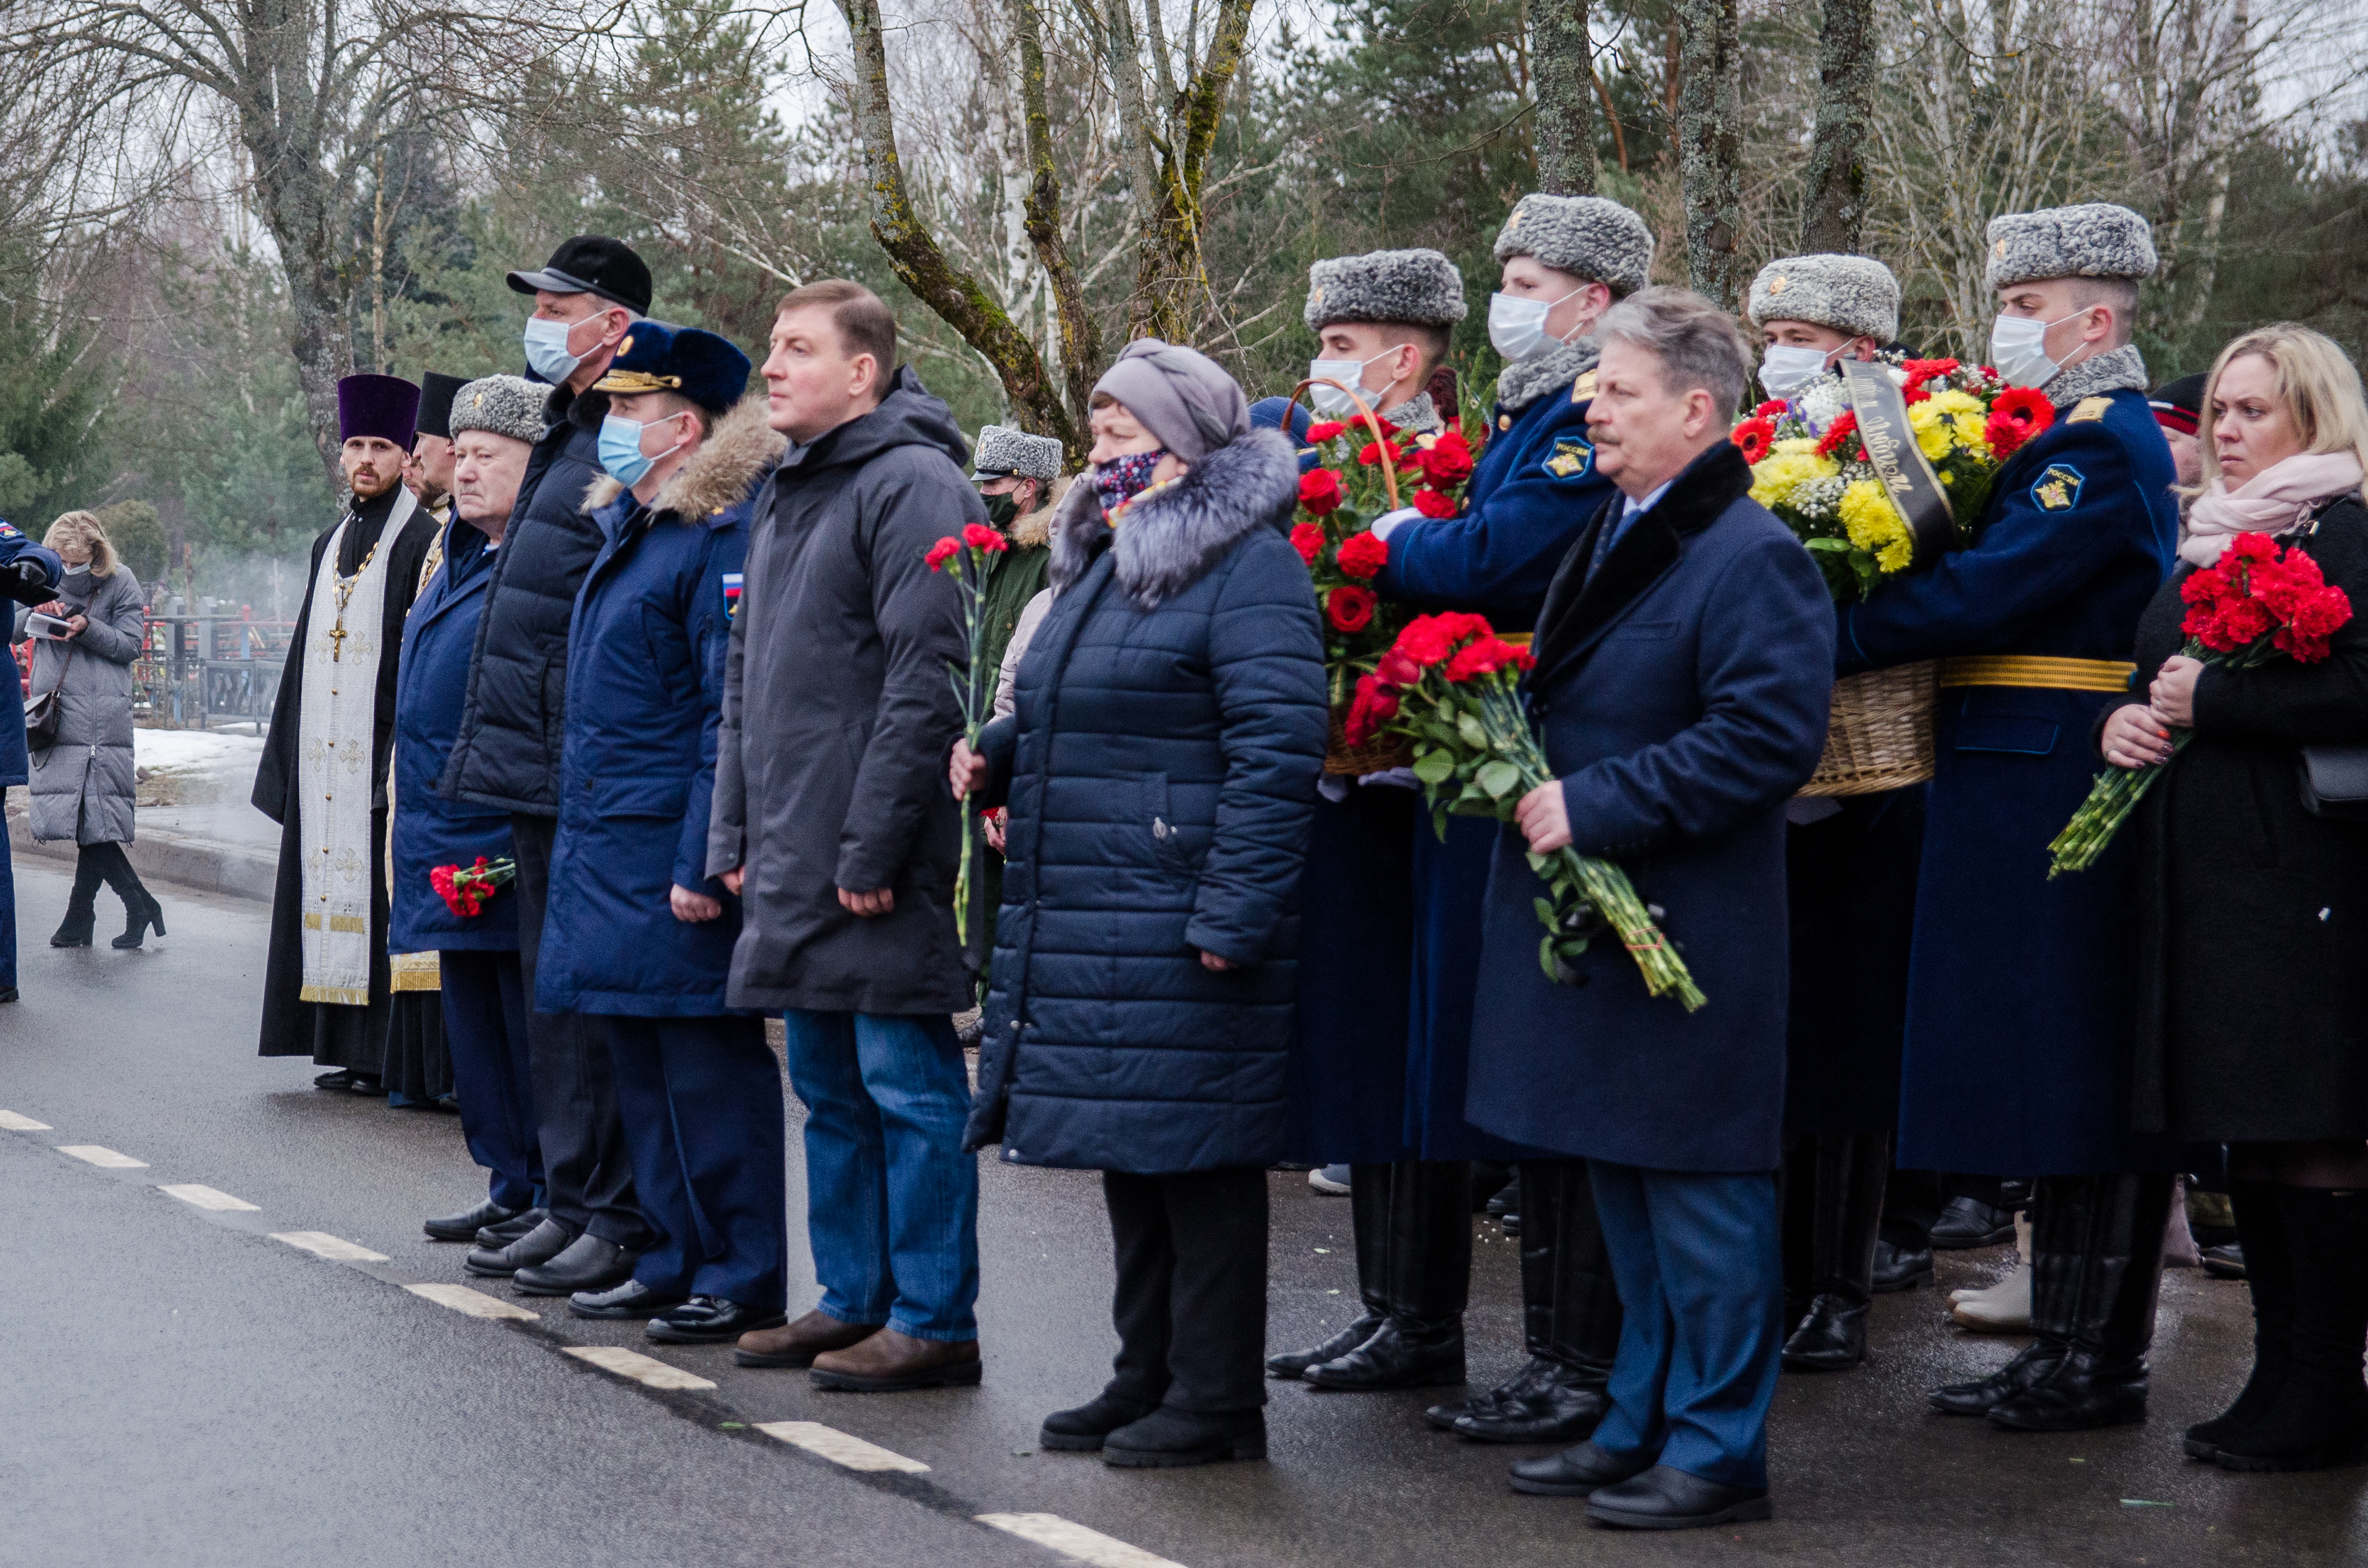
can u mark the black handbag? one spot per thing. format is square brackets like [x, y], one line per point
[43, 714]
[2334, 782]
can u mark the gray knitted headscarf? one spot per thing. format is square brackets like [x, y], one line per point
[1178, 394]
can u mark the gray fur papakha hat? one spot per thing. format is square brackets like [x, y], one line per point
[1003, 451]
[1420, 288]
[1587, 236]
[2096, 239]
[508, 405]
[1855, 294]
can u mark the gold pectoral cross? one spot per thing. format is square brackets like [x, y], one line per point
[338, 643]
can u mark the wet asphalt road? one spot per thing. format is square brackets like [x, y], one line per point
[180, 1389]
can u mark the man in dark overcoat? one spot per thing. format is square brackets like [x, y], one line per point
[1565, 260]
[1680, 690]
[2019, 1032]
[1852, 876]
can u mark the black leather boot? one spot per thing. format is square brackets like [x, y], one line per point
[2101, 1380]
[2319, 1415]
[1570, 1313]
[82, 904]
[1425, 1279]
[1846, 1173]
[2058, 1239]
[1368, 1199]
[2269, 1273]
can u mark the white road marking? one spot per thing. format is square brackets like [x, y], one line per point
[101, 1156]
[1072, 1539]
[14, 1123]
[323, 1245]
[207, 1197]
[839, 1447]
[476, 1303]
[647, 1370]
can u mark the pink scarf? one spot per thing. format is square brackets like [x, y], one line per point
[2271, 501]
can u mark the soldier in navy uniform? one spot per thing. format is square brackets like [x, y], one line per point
[29, 575]
[1850, 867]
[1565, 260]
[2018, 1044]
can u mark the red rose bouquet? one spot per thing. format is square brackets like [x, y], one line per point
[2251, 606]
[1809, 463]
[465, 888]
[1451, 684]
[966, 559]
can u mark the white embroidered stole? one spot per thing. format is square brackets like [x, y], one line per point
[335, 729]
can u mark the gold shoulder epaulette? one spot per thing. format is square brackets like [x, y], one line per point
[2089, 411]
[1583, 388]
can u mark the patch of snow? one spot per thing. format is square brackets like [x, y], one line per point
[197, 751]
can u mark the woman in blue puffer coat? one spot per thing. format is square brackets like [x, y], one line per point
[1160, 769]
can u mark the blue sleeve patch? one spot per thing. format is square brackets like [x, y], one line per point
[731, 595]
[1571, 457]
[2058, 489]
[7, 530]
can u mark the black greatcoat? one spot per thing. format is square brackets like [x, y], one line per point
[332, 1036]
[2253, 913]
[1851, 885]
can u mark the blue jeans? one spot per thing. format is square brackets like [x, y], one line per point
[892, 1201]
[1701, 1301]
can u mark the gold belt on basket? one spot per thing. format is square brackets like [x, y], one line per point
[2032, 670]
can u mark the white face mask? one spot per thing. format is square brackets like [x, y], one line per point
[1517, 325]
[1785, 367]
[1350, 372]
[2019, 349]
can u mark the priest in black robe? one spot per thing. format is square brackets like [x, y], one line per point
[327, 990]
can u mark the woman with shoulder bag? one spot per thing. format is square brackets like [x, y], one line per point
[83, 784]
[1160, 769]
[2252, 999]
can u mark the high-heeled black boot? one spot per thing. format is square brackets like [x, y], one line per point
[2319, 1415]
[1844, 1174]
[1369, 1198]
[2269, 1276]
[82, 904]
[1570, 1314]
[2059, 1237]
[140, 909]
[2103, 1379]
[1425, 1279]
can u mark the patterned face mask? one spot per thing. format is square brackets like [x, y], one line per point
[1121, 479]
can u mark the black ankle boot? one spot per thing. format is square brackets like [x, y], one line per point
[2059, 1238]
[2260, 1231]
[2101, 1380]
[137, 918]
[1425, 1275]
[1082, 1430]
[1846, 1174]
[1369, 1209]
[2319, 1415]
[82, 904]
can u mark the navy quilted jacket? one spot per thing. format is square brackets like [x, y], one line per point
[1160, 769]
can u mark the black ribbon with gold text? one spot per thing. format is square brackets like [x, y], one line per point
[1898, 462]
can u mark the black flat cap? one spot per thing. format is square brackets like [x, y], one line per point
[436, 389]
[592, 264]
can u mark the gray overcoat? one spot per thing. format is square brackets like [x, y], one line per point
[83, 786]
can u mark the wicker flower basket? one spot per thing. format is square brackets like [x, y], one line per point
[1880, 735]
[1382, 752]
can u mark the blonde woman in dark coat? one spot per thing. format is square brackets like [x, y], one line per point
[83, 784]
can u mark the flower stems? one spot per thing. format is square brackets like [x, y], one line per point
[2111, 801]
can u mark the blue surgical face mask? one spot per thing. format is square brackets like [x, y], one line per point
[1785, 368]
[1348, 372]
[77, 569]
[620, 448]
[546, 349]
[2019, 350]
[1517, 325]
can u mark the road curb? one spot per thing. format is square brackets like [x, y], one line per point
[202, 864]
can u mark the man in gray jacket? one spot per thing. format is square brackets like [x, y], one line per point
[833, 823]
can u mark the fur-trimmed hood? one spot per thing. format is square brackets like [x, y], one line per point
[1166, 541]
[739, 454]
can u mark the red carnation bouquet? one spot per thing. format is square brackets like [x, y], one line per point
[1337, 506]
[1452, 686]
[465, 888]
[966, 558]
[2254, 604]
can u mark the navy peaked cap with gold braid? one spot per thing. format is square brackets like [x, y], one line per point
[660, 357]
